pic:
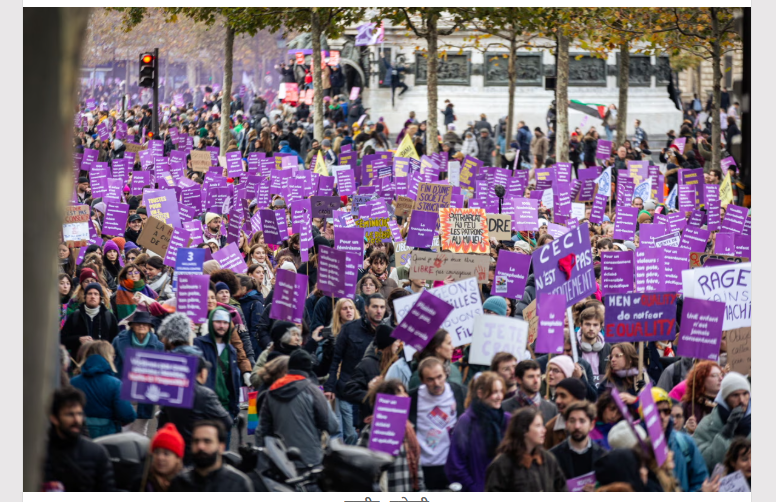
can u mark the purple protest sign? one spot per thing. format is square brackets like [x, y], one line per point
[349, 239]
[640, 317]
[389, 424]
[654, 424]
[422, 321]
[585, 191]
[649, 231]
[680, 143]
[625, 223]
[395, 231]
[576, 278]
[676, 222]
[604, 149]
[191, 296]
[289, 296]
[300, 215]
[323, 207]
[701, 332]
[550, 310]
[422, 229]
[511, 274]
[743, 245]
[625, 189]
[735, 219]
[647, 267]
[525, 214]
[725, 164]
[163, 205]
[283, 230]
[579, 483]
[556, 230]
[159, 378]
[115, 219]
[616, 272]
[89, 158]
[180, 239]
[337, 272]
[674, 261]
[687, 200]
[694, 239]
[103, 130]
[121, 129]
[139, 180]
[230, 257]
[234, 167]
[725, 243]
[697, 219]
[269, 226]
[599, 209]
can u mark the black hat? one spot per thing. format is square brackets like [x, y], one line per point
[133, 204]
[83, 179]
[135, 217]
[301, 360]
[575, 387]
[279, 329]
[93, 285]
[383, 338]
[140, 317]
[141, 210]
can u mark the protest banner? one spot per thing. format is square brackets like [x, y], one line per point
[422, 228]
[674, 261]
[525, 214]
[180, 238]
[338, 272]
[493, 334]
[463, 295]
[499, 226]
[376, 229]
[270, 227]
[616, 272]
[155, 236]
[200, 161]
[654, 424]
[389, 423]
[350, 240]
[694, 239]
[115, 222]
[469, 169]
[551, 311]
[640, 317]
[404, 206]
[422, 321]
[647, 269]
[189, 261]
[565, 265]
[191, 295]
[599, 209]
[604, 149]
[163, 205]
[511, 274]
[230, 257]
[699, 259]
[464, 230]
[730, 285]
[432, 197]
[323, 207]
[625, 223]
[288, 299]
[437, 266]
[701, 332]
[739, 349]
[161, 378]
[75, 229]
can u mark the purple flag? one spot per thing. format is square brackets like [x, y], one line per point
[625, 223]
[390, 424]
[230, 257]
[511, 274]
[640, 317]
[159, 378]
[550, 309]
[422, 229]
[616, 272]
[422, 321]
[701, 332]
[580, 281]
[289, 296]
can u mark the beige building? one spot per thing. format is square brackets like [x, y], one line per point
[700, 80]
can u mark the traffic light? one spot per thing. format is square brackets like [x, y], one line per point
[147, 70]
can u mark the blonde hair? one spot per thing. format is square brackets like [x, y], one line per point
[336, 324]
[97, 347]
[485, 381]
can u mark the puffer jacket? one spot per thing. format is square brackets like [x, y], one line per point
[709, 438]
[80, 464]
[105, 411]
[252, 306]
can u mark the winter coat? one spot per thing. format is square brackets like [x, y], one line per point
[485, 146]
[224, 479]
[483, 124]
[356, 389]
[591, 145]
[524, 137]
[689, 465]
[563, 455]
[337, 77]
[468, 458]
[546, 408]
[296, 409]
[287, 149]
[708, 436]
[104, 326]
[540, 147]
[675, 373]
[120, 345]
[210, 353]
[470, 147]
[105, 411]
[388, 77]
[206, 406]
[326, 77]
[352, 341]
[505, 474]
[400, 370]
[252, 306]
[449, 114]
[287, 74]
[80, 464]
[163, 287]
[355, 112]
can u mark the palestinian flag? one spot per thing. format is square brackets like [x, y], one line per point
[592, 109]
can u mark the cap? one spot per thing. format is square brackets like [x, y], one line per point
[221, 315]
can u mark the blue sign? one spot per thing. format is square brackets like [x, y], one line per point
[189, 261]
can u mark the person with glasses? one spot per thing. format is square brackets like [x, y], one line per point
[131, 281]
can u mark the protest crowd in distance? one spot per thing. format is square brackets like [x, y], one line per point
[489, 321]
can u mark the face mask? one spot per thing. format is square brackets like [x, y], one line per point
[204, 460]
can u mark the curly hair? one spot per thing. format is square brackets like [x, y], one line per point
[696, 378]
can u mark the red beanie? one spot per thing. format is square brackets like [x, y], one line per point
[344, 199]
[169, 438]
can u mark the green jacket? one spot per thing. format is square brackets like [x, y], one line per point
[708, 436]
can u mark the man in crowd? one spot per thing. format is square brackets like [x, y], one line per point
[92, 321]
[593, 348]
[529, 379]
[567, 392]
[578, 453]
[504, 364]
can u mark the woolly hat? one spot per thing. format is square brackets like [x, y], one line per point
[87, 273]
[732, 382]
[176, 328]
[383, 338]
[575, 387]
[220, 286]
[128, 245]
[523, 246]
[288, 265]
[220, 314]
[100, 206]
[564, 363]
[142, 210]
[496, 304]
[326, 143]
[110, 246]
[91, 286]
[622, 436]
[279, 329]
[650, 205]
[210, 217]
[169, 438]
[120, 242]
[543, 222]
[301, 360]
[644, 217]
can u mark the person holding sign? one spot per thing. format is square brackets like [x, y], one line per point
[578, 453]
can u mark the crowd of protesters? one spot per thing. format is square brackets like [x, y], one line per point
[519, 424]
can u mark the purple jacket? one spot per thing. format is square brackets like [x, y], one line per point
[468, 458]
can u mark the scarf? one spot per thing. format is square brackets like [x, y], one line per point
[125, 303]
[131, 235]
[208, 235]
[492, 422]
[524, 399]
[91, 312]
[137, 344]
[411, 450]
[627, 373]
[382, 277]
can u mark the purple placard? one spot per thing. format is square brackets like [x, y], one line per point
[180, 239]
[346, 183]
[269, 226]
[139, 180]
[735, 219]
[103, 130]
[625, 223]
[694, 239]
[337, 272]
[511, 274]
[599, 209]
[649, 231]
[625, 189]
[163, 205]
[234, 166]
[687, 200]
[422, 229]
[676, 222]
[89, 158]
[748, 225]
[604, 149]
[640, 317]
[701, 332]
[349, 239]
[159, 378]
[116, 215]
[550, 310]
[545, 177]
[674, 261]
[389, 424]
[725, 164]
[323, 207]
[654, 424]
[191, 296]
[121, 129]
[589, 173]
[697, 219]
[525, 214]
[744, 246]
[422, 321]
[230, 257]
[283, 230]
[713, 215]
[578, 484]
[325, 186]
[300, 215]
[616, 272]
[725, 243]
[561, 193]
[648, 263]
[289, 296]
[549, 277]
[556, 230]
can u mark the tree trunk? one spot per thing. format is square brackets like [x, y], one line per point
[315, 31]
[191, 75]
[226, 134]
[622, 82]
[512, 74]
[53, 80]
[562, 100]
[716, 123]
[432, 141]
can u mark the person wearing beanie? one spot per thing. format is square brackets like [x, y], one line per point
[83, 191]
[120, 242]
[111, 260]
[222, 292]
[287, 265]
[90, 321]
[286, 338]
[296, 410]
[167, 449]
[101, 209]
[143, 213]
[495, 305]
[212, 229]
[567, 391]
[731, 418]
[621, 436]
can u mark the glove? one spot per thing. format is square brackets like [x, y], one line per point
[247, 379]
[730, 427]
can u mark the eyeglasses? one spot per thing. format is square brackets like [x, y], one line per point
[664, 411]
[133, 272]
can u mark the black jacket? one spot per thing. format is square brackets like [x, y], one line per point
[459, 392]
[265, 323]
[288, 74]
[80, 464]
[563, 454]
[252, 308]
[529, 294]
[352, 341]
[104, 326]
[225, 479]
[356, 388]
[206, 406]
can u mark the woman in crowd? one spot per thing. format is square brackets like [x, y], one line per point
[622, 372]
[702, 386]
[131, 282]
[441, 347]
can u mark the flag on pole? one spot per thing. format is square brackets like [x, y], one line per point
[592, 109]
[671, 200]
[320, 165]
[605, 182]
[253, 415]
[725, 191]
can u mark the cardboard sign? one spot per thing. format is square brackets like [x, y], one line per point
[640, 317]
[529, 315]
[731, 285]
[134, 148]
[389, 423]
[155, 236]
[432, 197]
[699, 259]
[75, 230]
[464, 230]
[404, 206]
[159, 378]
[500, 227]
[200, 161]
[437, 266]
[493, 334]
[739, 349]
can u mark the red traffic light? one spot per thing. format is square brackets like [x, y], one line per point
[148, 58]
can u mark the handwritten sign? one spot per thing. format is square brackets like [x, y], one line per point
[155, 236]
[437, 266]
[464, 230]
[493, 334]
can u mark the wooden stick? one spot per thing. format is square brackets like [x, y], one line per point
[641, 359]
[692, 407]
[572, 335]
[547, 377]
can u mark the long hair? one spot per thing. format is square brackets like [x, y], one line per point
[387, 358]
[274, 370]
[256, 237]
[70, 267]
[336, 323]
[433, 345]
[97, 347]
[486, 381]
[253, 248]
[391, 387]
[629, 351]
[513, 443]
[697, 378]
[69, 293]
